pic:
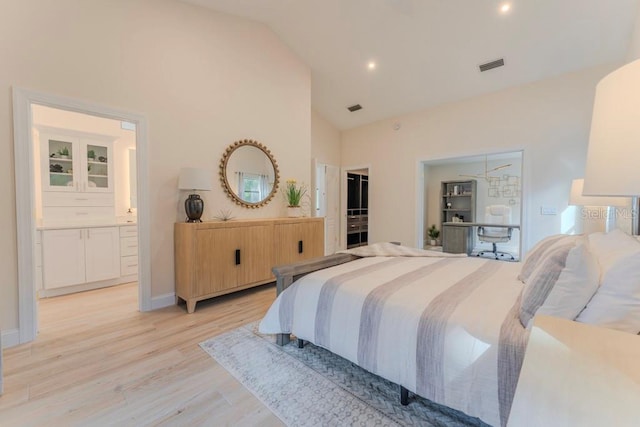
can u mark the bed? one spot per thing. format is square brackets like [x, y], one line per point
[444, 327]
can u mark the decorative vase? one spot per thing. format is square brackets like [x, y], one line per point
[294, 211]
[194, 206]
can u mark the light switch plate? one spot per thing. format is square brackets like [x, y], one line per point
[548, 210]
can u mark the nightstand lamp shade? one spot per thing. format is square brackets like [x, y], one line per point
[194, 179]
[614, 142]
[578, 199]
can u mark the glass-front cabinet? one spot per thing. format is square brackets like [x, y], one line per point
[98, 166]
[75, 163]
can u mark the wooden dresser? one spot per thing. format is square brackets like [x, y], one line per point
[217, 258]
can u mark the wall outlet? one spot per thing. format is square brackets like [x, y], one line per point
[548, 210]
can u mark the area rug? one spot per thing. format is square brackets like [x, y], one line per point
[313, 387]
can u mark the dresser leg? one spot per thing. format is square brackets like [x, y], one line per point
[191, 306]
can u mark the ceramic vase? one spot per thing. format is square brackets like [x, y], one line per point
[294, 211]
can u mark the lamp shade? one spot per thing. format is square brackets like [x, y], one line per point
[614, 143]
[577, 199]
[195, 179]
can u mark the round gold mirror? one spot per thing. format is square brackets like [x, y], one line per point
[249, 173]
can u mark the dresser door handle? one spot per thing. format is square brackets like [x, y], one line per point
[300, 247]
[237, 256]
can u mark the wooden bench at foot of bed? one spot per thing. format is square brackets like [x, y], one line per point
[287, 274]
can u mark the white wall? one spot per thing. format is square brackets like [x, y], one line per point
[634, 47]
[202, 79]
[325, 140]
[325, 149]
[549, 120]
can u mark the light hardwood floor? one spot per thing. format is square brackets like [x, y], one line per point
[98, 361]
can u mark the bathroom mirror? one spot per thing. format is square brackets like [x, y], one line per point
[249, 173]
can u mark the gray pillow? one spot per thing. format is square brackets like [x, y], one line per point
[542, 280]
[541, 250]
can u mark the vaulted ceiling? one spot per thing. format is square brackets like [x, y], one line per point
[427, 52]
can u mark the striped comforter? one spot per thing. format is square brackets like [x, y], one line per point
[445, 328]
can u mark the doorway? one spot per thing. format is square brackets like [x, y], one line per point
[357, 207]
[24, 103]
[466, 190]
[85, 202]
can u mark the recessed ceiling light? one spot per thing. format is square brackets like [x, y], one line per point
[371, 65]
[506, 7]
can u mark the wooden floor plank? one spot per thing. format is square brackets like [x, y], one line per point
[97, 361]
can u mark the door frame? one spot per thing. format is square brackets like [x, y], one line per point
[25, 197]
[325, 199]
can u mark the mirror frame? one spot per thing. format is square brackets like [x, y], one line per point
[223, 173]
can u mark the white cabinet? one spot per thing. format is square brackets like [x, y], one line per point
[80, 255]
[73, 162]
[102, 253]
[129, 251]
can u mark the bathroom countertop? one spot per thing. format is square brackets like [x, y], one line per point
[85, 224]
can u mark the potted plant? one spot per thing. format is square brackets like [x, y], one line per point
[63, 153]
[433, 233]
[91, 155]
[293, 194]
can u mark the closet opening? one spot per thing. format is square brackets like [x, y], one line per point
[357, 208]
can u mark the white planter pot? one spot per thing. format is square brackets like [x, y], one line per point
[294, 211]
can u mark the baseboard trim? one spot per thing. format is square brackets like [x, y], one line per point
[162, 301]
[10, 338]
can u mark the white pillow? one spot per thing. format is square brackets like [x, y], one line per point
[611, 247]
[616, 303]
[562, 283]
[576, 285]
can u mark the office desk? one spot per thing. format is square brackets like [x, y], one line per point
[457, 237]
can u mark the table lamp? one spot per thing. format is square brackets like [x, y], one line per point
[614, 142]
[194, 179]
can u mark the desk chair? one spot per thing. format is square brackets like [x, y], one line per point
[496, 214]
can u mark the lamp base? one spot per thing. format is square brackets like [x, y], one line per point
[194, 206]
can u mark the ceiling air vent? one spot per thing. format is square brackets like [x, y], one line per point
[491, 65]
[355, 107]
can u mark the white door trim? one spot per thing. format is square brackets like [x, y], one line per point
[24, 176]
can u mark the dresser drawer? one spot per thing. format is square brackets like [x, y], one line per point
[128, 246]
[128, 265]
[128, 231]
